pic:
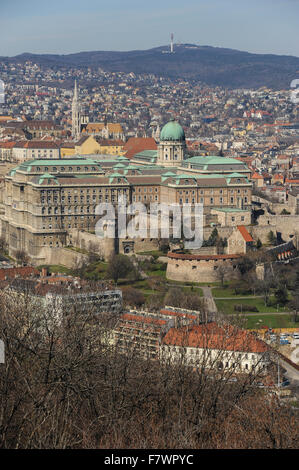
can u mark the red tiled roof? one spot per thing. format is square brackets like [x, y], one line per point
[247, 237]
[142, 319]
[178, 314]
[294, 181]
[12, 273]
[257, 176]
[212, 336]
[201, 257]
[8, 144]
[138, 144]
[36, 144]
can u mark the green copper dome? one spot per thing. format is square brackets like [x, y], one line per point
[172, 131]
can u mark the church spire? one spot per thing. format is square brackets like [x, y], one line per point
[76, 117]
[75, 92]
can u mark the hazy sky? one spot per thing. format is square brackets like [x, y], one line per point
[66, 26]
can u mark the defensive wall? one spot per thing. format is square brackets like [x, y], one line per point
[198, 268]
[58, 256]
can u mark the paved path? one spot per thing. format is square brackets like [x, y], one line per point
[182, 285]
[209, 300]
[291, 373]
[238, 297]
[254, 314]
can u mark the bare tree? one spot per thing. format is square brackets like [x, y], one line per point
[119, 266]
[21, 257]
[65, 384]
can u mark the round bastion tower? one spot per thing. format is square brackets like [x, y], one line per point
[172, 145]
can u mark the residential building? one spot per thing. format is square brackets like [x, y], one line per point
[215, 347]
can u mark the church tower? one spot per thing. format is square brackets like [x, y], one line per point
[76, 118]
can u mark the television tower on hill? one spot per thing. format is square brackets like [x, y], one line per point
[171, 43]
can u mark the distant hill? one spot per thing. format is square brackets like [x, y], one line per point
[211, 65]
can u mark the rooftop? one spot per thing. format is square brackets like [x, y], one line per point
[212, 336]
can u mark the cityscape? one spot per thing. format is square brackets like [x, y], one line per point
[149, 249]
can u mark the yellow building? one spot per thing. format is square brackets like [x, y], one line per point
[239, 132]
[87, 145]
[112, 147]
[67, 150]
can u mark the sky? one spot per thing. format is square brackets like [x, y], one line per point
[68, 26]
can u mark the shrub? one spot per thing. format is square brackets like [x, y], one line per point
[245, 308]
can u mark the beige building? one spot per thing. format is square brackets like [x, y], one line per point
[223, 348]
[36, 129]
[228, 217]
[32, 149]
[240, 241]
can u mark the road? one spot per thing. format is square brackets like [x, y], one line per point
[209, 300]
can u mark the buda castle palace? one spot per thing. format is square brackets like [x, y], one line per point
[43, 200]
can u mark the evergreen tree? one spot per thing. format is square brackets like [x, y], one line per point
[281, 295]
[271, 238]
[259, 244]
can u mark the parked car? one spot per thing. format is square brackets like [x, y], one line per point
[233, 379]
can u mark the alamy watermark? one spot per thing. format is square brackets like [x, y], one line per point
[156, 220]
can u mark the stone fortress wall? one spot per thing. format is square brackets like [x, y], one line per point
[198, 268]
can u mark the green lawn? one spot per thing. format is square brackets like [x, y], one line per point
[226, 292]
[272, 321]
[55, 268]
[208, 284]
[193, 290]
[157, 269]
[154, 253]
[227, 306]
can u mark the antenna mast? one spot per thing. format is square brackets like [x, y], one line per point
[171, 43]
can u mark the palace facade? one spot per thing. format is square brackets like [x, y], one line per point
[43, 199]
